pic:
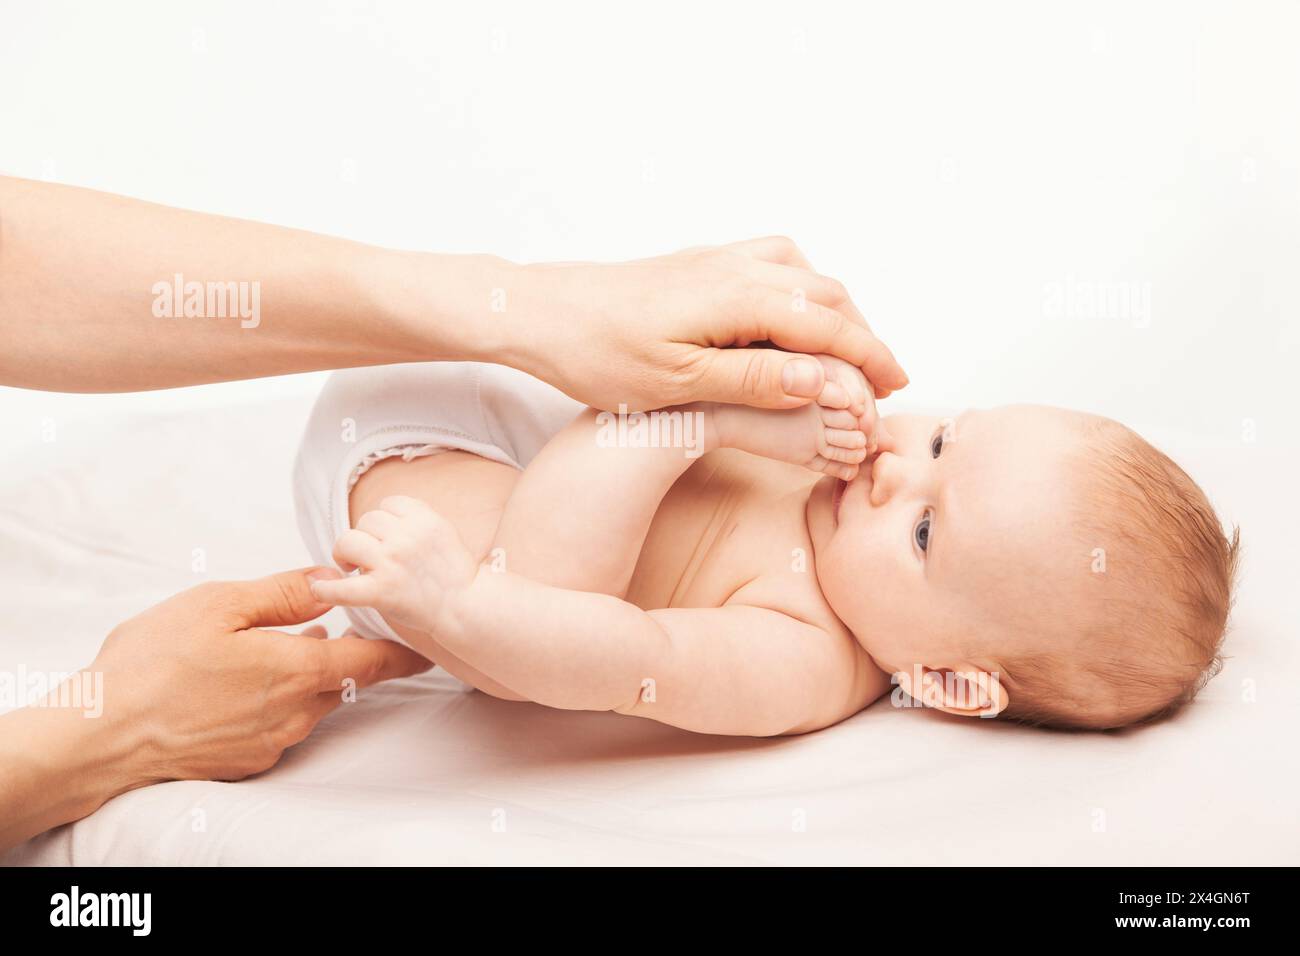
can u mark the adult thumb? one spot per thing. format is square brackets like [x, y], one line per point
[766, 378]
[279, 599]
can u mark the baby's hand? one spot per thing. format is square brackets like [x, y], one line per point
[413, 564]
[829, 435]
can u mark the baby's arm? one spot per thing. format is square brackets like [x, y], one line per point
[728, 670]
[578, 516]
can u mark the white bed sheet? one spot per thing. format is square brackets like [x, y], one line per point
[95, 527]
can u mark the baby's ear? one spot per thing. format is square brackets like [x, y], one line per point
[964, 690]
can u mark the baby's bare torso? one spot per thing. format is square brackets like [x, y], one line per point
[730, 530]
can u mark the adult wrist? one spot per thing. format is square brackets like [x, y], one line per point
[530, 337]
[719, 421]
[439, 307]
[91, 753]
[127, 747]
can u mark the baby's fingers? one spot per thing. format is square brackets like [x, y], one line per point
[360, 590]
[356, 549]
[379, 524]
[405, 506]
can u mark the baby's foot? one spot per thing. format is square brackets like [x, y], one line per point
[826, 436]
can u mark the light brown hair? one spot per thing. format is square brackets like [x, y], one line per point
[1152, 623]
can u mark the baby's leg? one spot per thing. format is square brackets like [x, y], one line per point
[580, 512]
[578, 517]
[470, 492]
[495, 419]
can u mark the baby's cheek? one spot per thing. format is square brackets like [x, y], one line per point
[848, 593]
[874, 596]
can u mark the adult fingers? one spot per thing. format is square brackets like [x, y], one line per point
[781, 263]
[764, 378]
[803, 286]
[367, 662]
[806, 284]
[820, 329]
[274, 601]
[358, 590]
[779, 249]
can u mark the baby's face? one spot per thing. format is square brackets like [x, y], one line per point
[957, 535]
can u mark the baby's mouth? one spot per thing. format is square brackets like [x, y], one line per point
[842, 487]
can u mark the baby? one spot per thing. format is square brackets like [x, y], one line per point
[732, 570]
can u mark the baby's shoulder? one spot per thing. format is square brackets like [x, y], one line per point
[853, 680]
[794, 593]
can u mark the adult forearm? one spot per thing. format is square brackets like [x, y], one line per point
[59, 766]
[103, 293]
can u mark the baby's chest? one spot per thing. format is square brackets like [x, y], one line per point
[780, 575]
[737, 540]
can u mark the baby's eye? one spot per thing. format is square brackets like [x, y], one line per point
[922, 532]
[936, 445]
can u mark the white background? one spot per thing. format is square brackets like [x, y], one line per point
[957, 165]
[971, 172]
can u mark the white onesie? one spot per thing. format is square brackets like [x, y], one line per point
[365, 415]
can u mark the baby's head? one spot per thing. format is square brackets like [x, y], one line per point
[1067, 567]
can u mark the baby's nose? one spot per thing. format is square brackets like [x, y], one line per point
[881, 471]
[893, 474]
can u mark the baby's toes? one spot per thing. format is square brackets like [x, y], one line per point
[847, 456]
[845, 438]
[836, 469]
[834, 395]
[841, 418]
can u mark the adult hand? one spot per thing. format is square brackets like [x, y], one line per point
[213, 696]
[90, 284]
[191, 689]
[664, 331]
